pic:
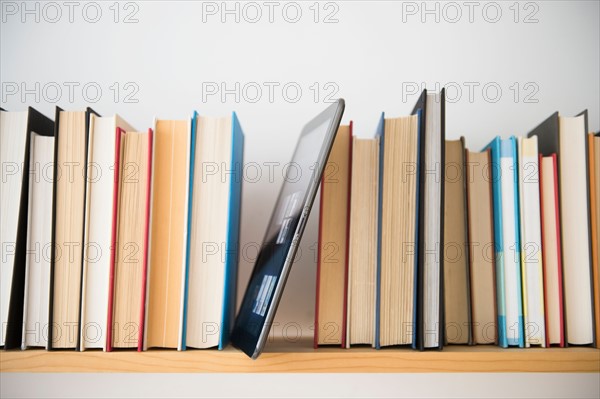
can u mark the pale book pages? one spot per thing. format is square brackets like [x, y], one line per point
[168, 234]
[208, 234]
[362, 262]
[333, 240]
[596, 165]
[130, 240]
[39, 241]
[70, 204]
[597, 175]
[551, 251]
[531, 242]
[13, 139]
[481, 245]
[432, 236]
[98, 229]
[574, 225]
[398, 219]
[456, 289]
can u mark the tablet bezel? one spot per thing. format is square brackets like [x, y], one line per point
[240, 336]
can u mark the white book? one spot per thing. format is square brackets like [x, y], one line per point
[99, 210]
[39, 241]
[575, 230]
[13, 141]
[531, 242]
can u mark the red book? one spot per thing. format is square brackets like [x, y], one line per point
[129, 253]
[332, 250]
[551, 247]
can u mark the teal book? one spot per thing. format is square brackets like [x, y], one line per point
[505, 191]
[216, 170]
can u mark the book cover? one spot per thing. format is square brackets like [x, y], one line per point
[507, 243]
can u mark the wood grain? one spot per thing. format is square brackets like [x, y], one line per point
[300, 358]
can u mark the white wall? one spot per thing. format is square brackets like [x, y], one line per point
[374, 54]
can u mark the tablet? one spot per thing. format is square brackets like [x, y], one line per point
[274, 260]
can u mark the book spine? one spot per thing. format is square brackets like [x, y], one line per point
[146, 242]
[113, 240]
[346, 270]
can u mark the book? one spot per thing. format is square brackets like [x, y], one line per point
[481, 246]
[594, 172]
[214, 226]
[332, 257]
[39, 237]
[127, 284]
[16, 129]
[531, 242]
[567, 138]
[506, 241]
[98, 240]
[551, 251]
[362, 245]
[69, 199]
[430, 270]
[168, 234]
[397, 236]
[457, 297]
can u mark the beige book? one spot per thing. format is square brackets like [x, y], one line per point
[362, 256]
[456, 260]
[398, 224]
[68, 233]
[481, 246]
[168, 234]
[208, 231]
[333, 242]
[131, 238]
[574, 219]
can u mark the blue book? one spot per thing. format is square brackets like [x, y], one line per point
[213, 231]
[505, 190]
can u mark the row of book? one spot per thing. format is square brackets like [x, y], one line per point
[424, 243]
[105, 231]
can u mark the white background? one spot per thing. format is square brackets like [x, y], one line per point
[541, 56]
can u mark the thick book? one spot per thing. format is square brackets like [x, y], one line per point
[127, 283]
[362, 245]
[16, 130]
[216, 174]
[168, 234]
[506, 241]
[397, 236]
[567, 138]
[332, 257]
[68, 227]
[594, 166]
[457, 298]
[430, 271]
[531, 242]
[481, 246]
[98, 241]
[551, 251]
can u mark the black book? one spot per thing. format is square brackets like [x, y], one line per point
[430, 269]
[17, 139]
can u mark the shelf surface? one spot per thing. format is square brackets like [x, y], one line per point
[300, 357]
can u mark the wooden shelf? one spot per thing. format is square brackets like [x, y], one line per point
[299, 357]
